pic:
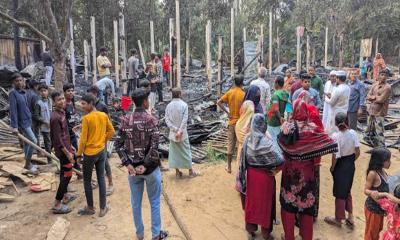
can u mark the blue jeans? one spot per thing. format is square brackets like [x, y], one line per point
[28, 149]
[153, 185]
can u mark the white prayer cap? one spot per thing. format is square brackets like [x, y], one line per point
[333, 72]
[341, 74]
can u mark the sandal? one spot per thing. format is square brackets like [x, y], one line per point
[94, 184]
[70, 199]
[194, 174]
[104, 211]
[350, 223]
[179, 174]
[64, 209]
[251, 236]
[86, 211]
[332, 221]
[163, 235]
[110, 190]
[227, 170]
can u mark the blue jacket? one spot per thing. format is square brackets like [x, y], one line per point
[19, 112]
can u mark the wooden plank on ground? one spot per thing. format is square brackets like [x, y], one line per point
[15, 170]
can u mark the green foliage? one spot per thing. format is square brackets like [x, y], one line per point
[213, 155]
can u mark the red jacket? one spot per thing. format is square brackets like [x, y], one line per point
[166, 63]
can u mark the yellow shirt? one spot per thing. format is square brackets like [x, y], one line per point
[96, 131]
[234, 98]
[101, 60]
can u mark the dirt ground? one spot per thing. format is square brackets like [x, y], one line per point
[208, 206]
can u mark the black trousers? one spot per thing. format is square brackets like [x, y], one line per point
[47, 143]
[65, 177]
[132, 85]
[159, 91]
[89, 162]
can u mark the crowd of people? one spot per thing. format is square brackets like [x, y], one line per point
[269, 131]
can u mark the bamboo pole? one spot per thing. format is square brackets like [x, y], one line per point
[171, 34]
[43, 45]
[232, 42]
[376, 46]
[178, 45]
[85, 59]
[270, 43]
[187, 56]
[208, 55]
[261, 42]
[244, 35]
[152, 47]
[72, 49]
[308, 51]
[93, 42]
[341, 51]
[326, 47]
[278, 46]
[141, 53]
[116, 55]
[220, 49]
[123, 52]
[298, 64]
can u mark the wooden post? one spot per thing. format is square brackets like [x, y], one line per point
[232, 42]
[116, 55]
[298, 65]
[244, 35]
[72, 49]
[341, 51]
[278, 46]
[270, 43]
[85, 59]
[171, 60]
[187, 56]
[178, 45]
[308, 51]
[123, 52]
[152, 48]
[376, 46]
[93, 40]
[326, 48]
[208, 55]
[261, 42]
[219, 83]
[43, 45]
[141, 53]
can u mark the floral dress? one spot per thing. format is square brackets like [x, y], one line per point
[392, 220]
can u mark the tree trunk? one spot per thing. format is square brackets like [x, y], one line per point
[17, 52]
[59, 72]
[334, 50]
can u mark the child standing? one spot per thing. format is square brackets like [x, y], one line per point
[376, 183]
[41, 114]
[342, 170]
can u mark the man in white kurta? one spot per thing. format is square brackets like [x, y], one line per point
[327, 112]
[339, 100]
[265, 88]
[176, 117]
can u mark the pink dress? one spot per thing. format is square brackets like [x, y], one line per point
[392, 218]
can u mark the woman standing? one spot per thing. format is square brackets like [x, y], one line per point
[301, 142]
[242, 127]
[379, 64]
[260, 160]
[254, 94]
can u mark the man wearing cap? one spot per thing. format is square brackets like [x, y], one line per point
[378, 98]
[357, 99]
[306, 85]
[339, 99]
[327, 112]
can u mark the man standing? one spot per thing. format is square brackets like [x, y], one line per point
[103, 63]
[48, 64]
[234, 99]
[356, 101]
[306, 85]
[63, 150]
[151, 71]
[276, 109]
[99, 104]
[339, 99]
[160, 78]
[316, 82]
[103, 84]
[133, 65]
[176, 116]
[166, 65]
[96, 131]
[137, 146]
[264, 87]
[378, 98]
[21, 118]
[32, 96]
[327, 114]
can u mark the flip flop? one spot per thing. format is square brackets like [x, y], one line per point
[332, 221]
[227, 170]
[104, 211]
[86, 211]
[179, 174]
[194, 174]
[64, 209]
[163, 234]
[350, 224]
[110, 190]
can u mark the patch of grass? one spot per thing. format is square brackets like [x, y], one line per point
[215, 156]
